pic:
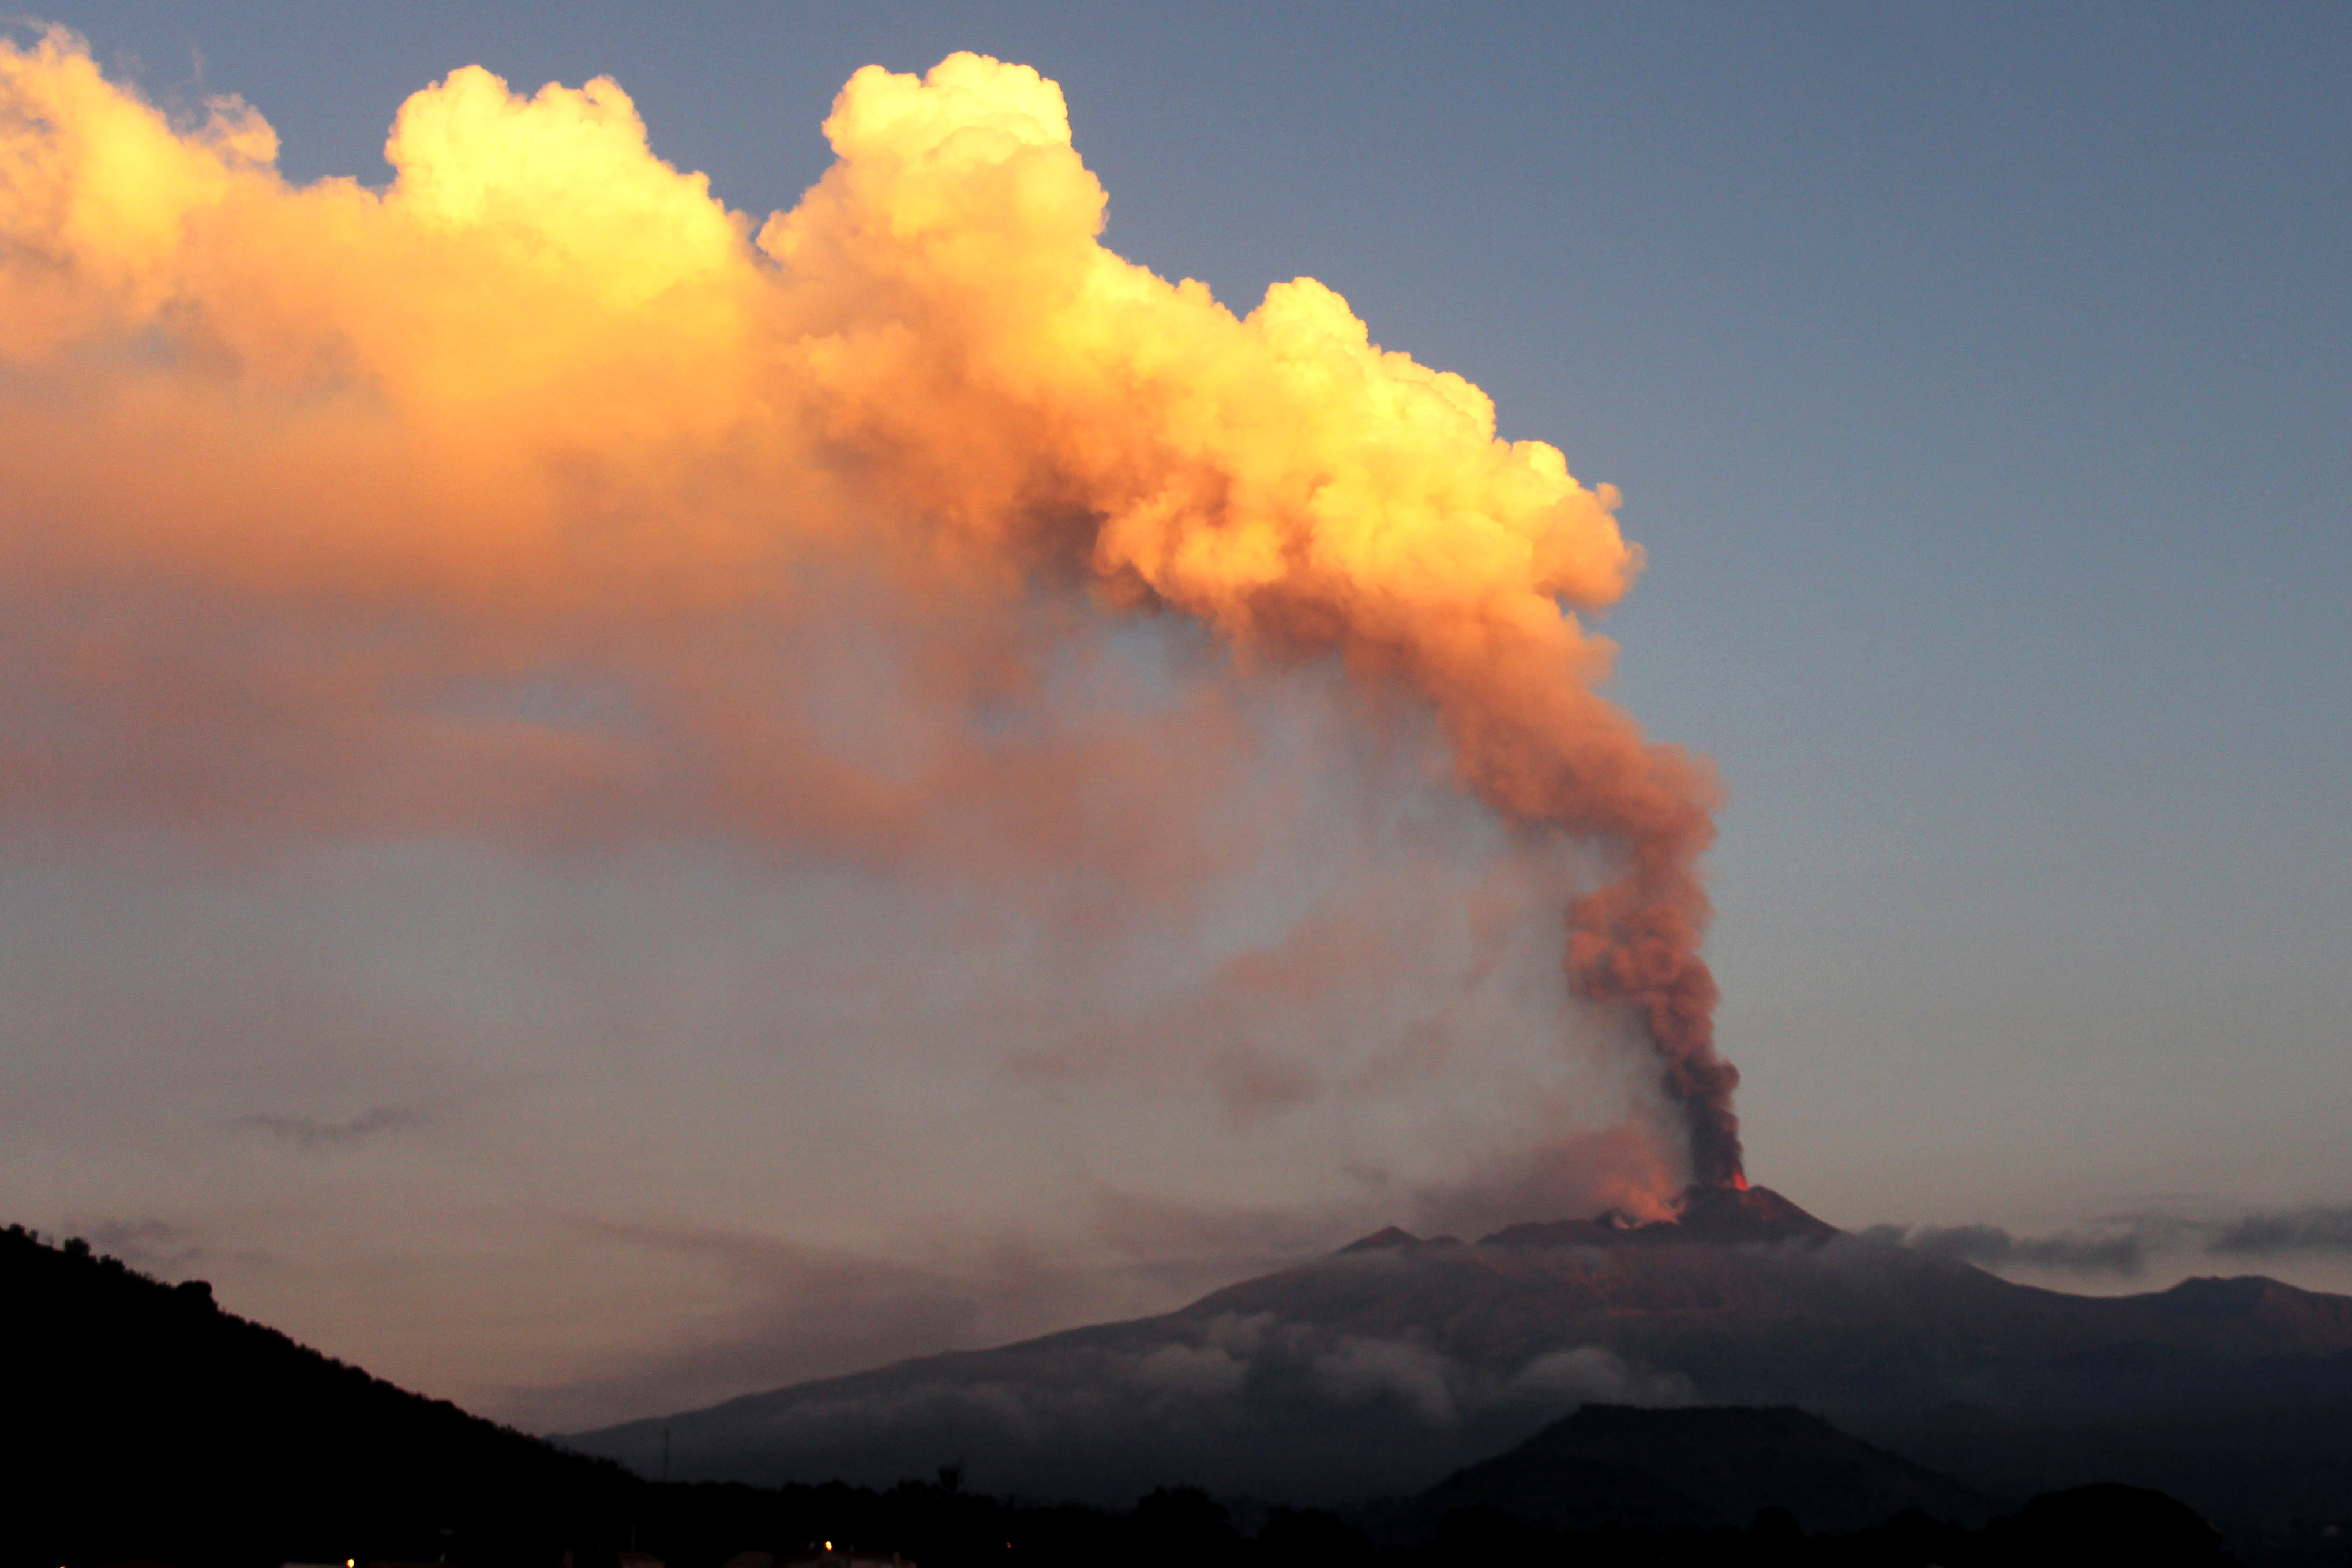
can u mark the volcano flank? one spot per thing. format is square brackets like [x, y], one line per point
[1383, 1366]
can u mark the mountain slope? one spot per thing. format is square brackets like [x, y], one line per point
[1383, 1366]
[142, 1421]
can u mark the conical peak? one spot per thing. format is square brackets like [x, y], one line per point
[1383, 1241]
[1745, 1213]
[1395, 1238]
[1716, 1215]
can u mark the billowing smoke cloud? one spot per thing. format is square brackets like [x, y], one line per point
[540, 494]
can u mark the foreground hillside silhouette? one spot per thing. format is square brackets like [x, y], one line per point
[144, 1421]
[145, 1424]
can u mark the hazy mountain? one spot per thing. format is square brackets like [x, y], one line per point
[1385, 1365]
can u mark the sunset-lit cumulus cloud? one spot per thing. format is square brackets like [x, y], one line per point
[539, 495]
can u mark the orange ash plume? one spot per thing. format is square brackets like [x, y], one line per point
[546, 394]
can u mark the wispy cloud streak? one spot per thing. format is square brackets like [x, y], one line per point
[308, 1132]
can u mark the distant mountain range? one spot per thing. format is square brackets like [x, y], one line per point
[1382, 1367]
[144, 1422]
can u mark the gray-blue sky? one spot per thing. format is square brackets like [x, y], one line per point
[1977, 382]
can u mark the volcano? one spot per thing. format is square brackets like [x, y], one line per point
[1396, 1360]
[1721, 1215]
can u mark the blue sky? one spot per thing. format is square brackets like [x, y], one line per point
[1977, 381]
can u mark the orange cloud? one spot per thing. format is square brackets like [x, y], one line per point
[343, 507]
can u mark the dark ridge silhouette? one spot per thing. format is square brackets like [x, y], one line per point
[1613, 1465]
[144, 1422]
[2112, 1523]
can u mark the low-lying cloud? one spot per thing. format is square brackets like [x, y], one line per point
[2298, 1230]
[1991, 1247]
[2125, 1244]
[1120, 1406]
